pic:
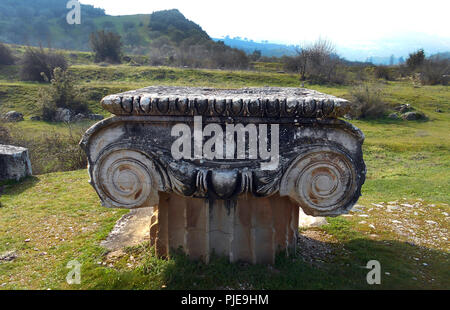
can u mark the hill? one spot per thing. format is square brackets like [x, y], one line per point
[267, 49]
[43, 22]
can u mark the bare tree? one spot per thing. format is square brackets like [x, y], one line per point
[318, 61]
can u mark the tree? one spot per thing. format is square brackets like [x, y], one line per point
[256, 55]
[6, 57]
[107, 46]
[317, 61]
[39, 64]
[416, 59]
[62, 93]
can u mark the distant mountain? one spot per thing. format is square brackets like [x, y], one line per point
[35, 22]
[44, 22]
[266, 48]
[173, 24]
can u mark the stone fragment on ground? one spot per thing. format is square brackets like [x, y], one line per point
[12, 116]
[14, 163]
[8, 256]
[413, 116]
[306, 221]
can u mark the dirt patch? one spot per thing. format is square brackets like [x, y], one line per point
[131, 230]
[316, 246]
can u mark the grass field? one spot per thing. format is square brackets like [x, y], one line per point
[401, 220]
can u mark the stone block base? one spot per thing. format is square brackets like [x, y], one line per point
[14, 163]
[250, 229]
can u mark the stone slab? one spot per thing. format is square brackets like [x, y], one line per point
[244, 102]
[14, 163]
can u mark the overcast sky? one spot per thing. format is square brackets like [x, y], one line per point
[345, 22]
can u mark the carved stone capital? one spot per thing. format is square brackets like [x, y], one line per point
[240, 205]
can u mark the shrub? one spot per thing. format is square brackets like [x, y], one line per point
[382, 72]
[39, 65]
[317, 62]
[5, 136]
[6, 56]
[435, 71]
[107, 46]
[62, 93]
[53, 151]
[415, 59]
[368, 100]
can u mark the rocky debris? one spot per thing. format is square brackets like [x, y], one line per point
[413, 116]
[403, 108]
[81, 117]
[95, 117]
[316, 246]
[414, 222]
[306, 221]
[407, 112]
[14, 163]
[12, 117]
[63, 115]
[394, 116]
[8, 256]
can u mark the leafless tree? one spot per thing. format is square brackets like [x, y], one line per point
[317, 60]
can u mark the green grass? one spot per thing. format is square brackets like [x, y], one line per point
[61, 215]
[407, 162]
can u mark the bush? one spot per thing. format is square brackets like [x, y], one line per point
[5, 136]
[368, 100]
[39, 65]
[6, 57]
[53, 151]
[435, 71]
[317, 63]
[415, 59]
[62, 93]
[382, 72]
[107, 46]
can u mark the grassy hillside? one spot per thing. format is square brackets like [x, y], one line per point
[43, 22]
[402, 218]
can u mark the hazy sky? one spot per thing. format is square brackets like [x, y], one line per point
[345, 22]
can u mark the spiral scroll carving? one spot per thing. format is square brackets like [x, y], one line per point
[322, 181]
[126, 179]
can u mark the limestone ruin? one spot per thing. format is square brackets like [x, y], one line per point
[14, 163]
[230, 207]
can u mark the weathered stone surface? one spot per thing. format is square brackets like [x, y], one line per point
[248, 229]
[326, 154]
[14, 163]
[63, 115]
[245, 102]
[403, 108]
[95, 117]
[320, 167]
[393, 116]
[307, 221]
[12, 116]
[413, 116]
